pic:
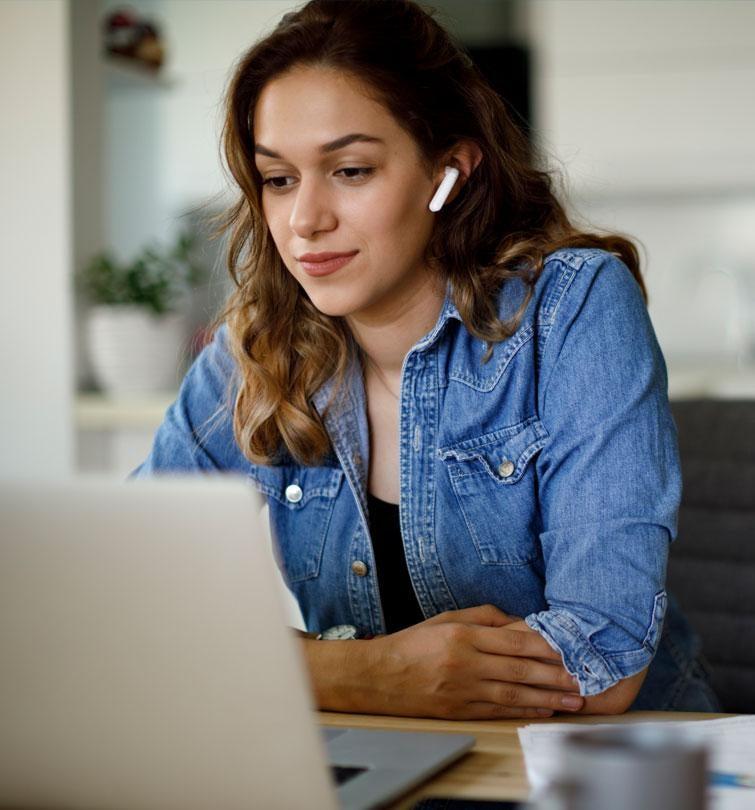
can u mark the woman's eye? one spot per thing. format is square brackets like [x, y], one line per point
[273, 182]
[358, 172]
[279, 182]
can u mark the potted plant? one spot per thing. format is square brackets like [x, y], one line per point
[137, 325]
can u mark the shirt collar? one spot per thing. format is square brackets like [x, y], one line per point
[447, 312]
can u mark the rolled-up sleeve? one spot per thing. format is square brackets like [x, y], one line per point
[609, 476]
[196, 434]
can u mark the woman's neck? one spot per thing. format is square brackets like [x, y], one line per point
[386, 336]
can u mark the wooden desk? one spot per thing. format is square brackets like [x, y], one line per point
[494, 769]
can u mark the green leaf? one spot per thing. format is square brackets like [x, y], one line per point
[156, 278]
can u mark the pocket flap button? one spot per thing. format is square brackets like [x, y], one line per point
[293, 493]
[505, 468]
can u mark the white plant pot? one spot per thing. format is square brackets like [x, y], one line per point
[133, 351]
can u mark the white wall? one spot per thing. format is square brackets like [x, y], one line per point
[648, 96]
[651, 110]
[36, 369]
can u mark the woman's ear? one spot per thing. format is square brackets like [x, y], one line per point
[465, 157]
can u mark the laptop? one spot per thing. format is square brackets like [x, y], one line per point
[145, 660]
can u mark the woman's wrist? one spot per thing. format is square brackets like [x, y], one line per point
[342, 674]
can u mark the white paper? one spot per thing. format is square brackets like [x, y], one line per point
[730, 742]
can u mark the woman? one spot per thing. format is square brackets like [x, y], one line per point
[458, 416]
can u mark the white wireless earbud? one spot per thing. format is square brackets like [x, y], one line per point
[444, 189]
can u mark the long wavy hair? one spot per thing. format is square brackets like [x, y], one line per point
[500, 226]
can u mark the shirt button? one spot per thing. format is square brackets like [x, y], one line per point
[359, 568]
[293, 493]
[505, 468]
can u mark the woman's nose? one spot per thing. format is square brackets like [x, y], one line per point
[312, 210]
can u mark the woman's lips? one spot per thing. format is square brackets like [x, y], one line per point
[327, 267]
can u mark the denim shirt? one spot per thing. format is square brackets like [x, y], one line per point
[545, 481]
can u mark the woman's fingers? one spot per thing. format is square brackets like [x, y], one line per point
[516, 695]
[502, 641]
[515, 656]
[526, 670]
[481, 710]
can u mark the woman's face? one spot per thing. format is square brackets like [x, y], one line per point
[341, 176]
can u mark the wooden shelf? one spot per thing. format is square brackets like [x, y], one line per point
[127, 74]
[95, 411]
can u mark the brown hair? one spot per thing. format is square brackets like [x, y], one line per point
[500, 226]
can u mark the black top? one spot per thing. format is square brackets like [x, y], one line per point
[400, 606]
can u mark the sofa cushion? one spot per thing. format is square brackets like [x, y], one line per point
[712, 562]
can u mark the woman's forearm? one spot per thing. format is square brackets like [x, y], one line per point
[447, 667]
[343, 678]
[617, 699]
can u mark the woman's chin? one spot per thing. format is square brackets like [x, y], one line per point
[334, 305]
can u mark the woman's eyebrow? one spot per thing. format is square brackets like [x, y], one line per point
[332, 146]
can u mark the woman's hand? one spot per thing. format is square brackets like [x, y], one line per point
[469, 664]
[615, 700]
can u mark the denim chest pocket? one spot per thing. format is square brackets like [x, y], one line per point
[494, 481]
[301, 502]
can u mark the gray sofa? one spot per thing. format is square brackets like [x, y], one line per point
[712, 564]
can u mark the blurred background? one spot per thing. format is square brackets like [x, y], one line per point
[111, 115]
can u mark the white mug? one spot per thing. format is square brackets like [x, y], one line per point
[631, 768]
